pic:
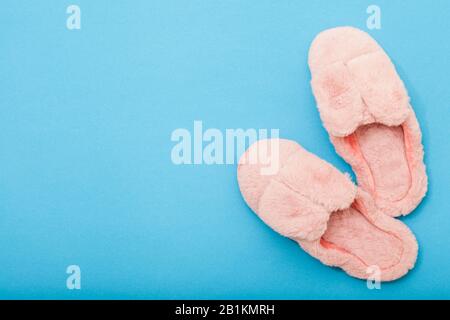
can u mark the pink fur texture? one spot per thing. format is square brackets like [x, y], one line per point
[365, 108]
[311, 202]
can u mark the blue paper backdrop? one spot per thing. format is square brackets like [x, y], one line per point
[86, 117]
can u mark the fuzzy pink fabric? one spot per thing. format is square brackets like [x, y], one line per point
[311, 202]
[365, 108]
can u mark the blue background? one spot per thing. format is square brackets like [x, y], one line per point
[86, 116]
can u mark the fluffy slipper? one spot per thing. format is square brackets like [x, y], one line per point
[365, 108]
[311, 202]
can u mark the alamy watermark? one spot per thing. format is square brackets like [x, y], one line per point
[215, 147]
[73, 21]
[374, 277]
[73, 281]
[374, 19]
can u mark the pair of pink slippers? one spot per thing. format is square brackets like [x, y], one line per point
[365, 108]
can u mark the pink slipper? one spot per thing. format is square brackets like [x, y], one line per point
[365, 108]
[311, 202]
